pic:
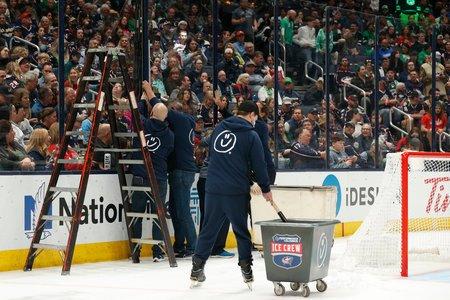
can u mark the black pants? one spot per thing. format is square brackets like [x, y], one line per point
[139, 204]
[221, 239]
[219, 209]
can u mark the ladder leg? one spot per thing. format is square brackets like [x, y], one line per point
[86, 168]
[148, 163]
[49, 196]
[120, 168]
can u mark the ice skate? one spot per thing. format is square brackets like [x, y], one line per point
[197, 273]
[247, 273]
[135, 256]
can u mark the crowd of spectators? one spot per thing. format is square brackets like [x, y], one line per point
[181, 59]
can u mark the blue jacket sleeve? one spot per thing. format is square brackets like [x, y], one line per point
[258, 164]
[154, 101]
[142, 108]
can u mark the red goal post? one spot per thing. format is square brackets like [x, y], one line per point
[433, 198]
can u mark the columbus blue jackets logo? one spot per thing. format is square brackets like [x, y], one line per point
[191, 137]
[225, 142]
[286, 251]
[153, 143]
[322, 250]
[31, 212]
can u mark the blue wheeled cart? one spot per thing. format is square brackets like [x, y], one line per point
[297, 252]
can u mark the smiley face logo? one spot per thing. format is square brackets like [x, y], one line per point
[322, 250]
[225, 142]
[153, 143]
[191, 137]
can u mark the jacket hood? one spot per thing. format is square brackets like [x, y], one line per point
[158, 128]
[236, 124]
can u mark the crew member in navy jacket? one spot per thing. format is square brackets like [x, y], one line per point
[263, 132]
[235, 150]
[160, 144]
[182, 170]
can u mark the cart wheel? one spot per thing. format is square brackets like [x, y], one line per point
[305, 291]
[295, 286]
[321, 285]
[278, 289]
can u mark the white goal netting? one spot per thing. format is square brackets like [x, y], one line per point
[378, 242]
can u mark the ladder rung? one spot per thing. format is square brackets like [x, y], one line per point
[136, 188]
[92, 78]
[78, 132]
[63, 189]
[57, 218]
[119, 107]
[71, 161]
[131, 161]
[125, 134]
[116, 150]
[147, 241]
[84, 105]
[49, 246]
[141, 215]
[116, 80]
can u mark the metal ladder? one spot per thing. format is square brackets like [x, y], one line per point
[103, 98]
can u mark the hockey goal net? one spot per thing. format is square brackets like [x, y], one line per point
[410, 219]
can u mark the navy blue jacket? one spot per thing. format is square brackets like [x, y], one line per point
[182, 125]
[234, 151]
[263, 133]
[160, 143]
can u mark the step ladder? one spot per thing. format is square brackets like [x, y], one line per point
[103, 101]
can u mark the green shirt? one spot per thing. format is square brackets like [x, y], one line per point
[320, 41]
[422, 55]
[287, 29]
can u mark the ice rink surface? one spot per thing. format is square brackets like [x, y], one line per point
[124, 280]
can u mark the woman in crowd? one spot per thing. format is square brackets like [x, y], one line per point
[22, 96]
[37, 148]
[241, 89]
[72, 81]
[53, 149]
[157, 83]
[12, 156]
[440, 119]
[189, 106]
[192, 52]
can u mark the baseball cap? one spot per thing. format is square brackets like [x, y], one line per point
[287, 100]
[287, 80]
[314, 111]
[413, 93]
[25, 14]
[198, 118]
[250, 63]
[349, 124]
[165, 22]
[5, 91]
